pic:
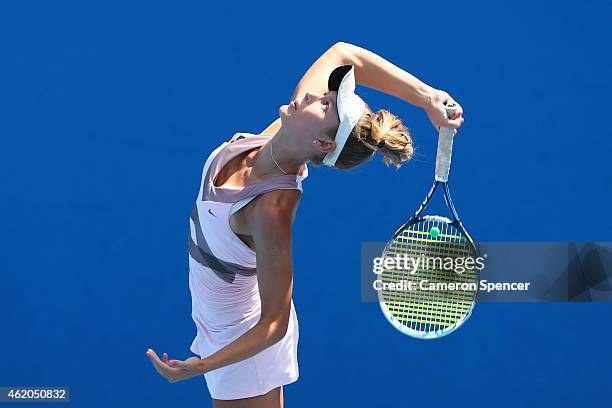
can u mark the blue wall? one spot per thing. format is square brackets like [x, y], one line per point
[108, 110]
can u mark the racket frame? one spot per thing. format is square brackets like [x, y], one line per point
[416, 217]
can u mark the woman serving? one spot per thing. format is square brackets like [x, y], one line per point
[240, 266]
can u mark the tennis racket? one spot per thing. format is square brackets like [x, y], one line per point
[426, 290]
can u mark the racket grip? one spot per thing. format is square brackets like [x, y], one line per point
[445, 148]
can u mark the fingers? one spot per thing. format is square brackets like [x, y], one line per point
[178, 364]
[184, 365]
[455, 123]
[451, 123]
[157, 363]
[161, 366]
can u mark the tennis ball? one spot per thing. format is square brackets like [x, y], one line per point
[434, 232]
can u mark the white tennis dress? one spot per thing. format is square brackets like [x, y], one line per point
[223, 281]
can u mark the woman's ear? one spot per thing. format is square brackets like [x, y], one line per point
[324, 146]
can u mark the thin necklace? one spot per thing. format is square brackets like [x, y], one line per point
[274, 160]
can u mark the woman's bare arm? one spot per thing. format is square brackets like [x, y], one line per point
[375, 72]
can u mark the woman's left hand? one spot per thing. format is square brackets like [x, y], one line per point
[176, 370]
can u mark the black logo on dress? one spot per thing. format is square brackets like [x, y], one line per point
[212, 213]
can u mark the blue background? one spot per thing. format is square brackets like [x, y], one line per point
[109, 109]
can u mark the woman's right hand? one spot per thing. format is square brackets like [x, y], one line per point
[436, 110]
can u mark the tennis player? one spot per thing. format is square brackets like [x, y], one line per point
[240, 266]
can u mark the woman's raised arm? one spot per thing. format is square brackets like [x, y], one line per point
[375, 72]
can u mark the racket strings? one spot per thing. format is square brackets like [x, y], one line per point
[422, 309]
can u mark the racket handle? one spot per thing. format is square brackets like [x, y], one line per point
[445, 148]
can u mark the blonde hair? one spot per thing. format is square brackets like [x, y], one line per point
[367, 136]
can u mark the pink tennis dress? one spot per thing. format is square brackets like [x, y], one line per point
[223, 281]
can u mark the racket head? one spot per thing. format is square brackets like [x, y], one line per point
[426, 314]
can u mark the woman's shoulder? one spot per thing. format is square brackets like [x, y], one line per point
[277, 205]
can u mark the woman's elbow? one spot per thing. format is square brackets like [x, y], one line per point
[343, 49]
[339, 47]
[276, 328]
[281, 329]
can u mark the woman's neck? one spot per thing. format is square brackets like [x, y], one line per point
[278, 157]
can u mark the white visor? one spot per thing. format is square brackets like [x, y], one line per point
[350, 108]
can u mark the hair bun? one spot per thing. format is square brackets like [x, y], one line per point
[390, 133]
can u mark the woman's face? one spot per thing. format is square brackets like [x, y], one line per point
[312, 116]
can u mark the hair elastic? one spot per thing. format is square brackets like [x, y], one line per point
[381, 144]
